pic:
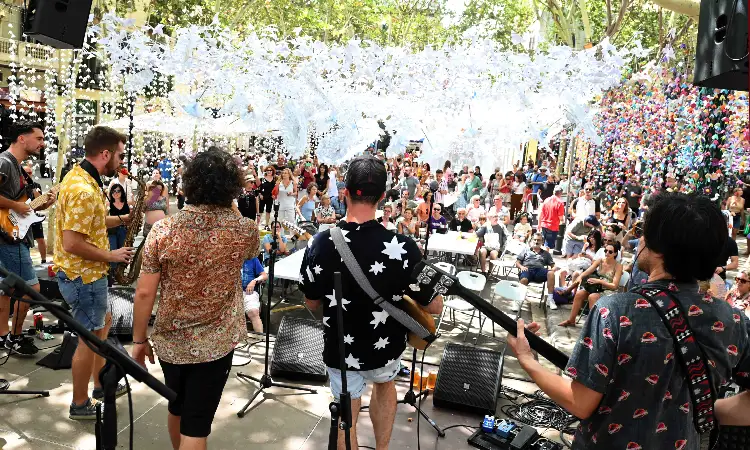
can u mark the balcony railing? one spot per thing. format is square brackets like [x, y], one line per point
[34, 54]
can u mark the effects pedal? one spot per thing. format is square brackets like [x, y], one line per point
[504, 434]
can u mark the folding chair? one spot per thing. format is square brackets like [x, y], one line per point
[512, 248]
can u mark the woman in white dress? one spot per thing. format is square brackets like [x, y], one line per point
[287, 197]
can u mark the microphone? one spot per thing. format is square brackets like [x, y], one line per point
[429, 281]
[276, 205]
[433, 186]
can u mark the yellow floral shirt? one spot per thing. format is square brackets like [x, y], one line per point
[81, 207]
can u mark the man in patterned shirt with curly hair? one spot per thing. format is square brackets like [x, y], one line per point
[82, 257]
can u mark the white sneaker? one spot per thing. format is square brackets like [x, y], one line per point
[551, 302]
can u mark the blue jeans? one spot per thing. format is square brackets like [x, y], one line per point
[88, 302]
[550, 238]
[117, 240]
[356, 381]
[534, 274]
[17, 259]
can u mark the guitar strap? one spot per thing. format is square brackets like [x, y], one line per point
[397, 313]
[26, 180]
[691, 358]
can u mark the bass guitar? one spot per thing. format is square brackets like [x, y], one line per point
[14, 226]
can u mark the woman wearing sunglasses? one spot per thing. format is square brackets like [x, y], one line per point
[602, 278]
[739, 295]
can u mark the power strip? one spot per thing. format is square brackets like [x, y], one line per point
[509, 435]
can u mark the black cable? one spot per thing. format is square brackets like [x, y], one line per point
[537, 410]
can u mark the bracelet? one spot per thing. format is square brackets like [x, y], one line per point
[140, 342]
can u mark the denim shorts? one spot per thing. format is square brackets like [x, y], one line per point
[88, 302]
[17, 259]
[356, 381]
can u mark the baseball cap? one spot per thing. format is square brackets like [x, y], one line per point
[366, 177]
[557, 189]
[592, 220]
[543, 168]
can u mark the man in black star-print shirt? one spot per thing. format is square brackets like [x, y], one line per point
[624, 378]
[373, 340]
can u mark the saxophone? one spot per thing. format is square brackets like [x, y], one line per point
[126, 273]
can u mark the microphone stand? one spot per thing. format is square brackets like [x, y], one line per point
[266, 381]
[341, 411]
[118, 363]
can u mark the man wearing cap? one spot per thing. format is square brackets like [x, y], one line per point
[373, 341]
[550, 216]
[575, 234]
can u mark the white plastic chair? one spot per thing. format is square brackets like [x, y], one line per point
[512, 248]
[472, 281]
[510, 290]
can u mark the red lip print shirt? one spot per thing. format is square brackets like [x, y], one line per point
[626, 353]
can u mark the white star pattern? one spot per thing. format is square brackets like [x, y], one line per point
[317, 270]
[377, 267]
[325, 321]
[332, 298]
[390, 361]
[382, 342]
[396, 298]
[310, 276]
[348, 339]
[344, 232]
[394, 249]
[379, 317]
[406, 264]
[351, 361]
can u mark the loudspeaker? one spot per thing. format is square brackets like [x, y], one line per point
[468, 379]
[62, 356]
[121, 304]
[298, 352]
[721, 57]
[58, 23]
[48, 285]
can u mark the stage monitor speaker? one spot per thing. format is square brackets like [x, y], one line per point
[121, 303]
[468, 379]
[62, 356]
[298, 351]
[721, 56]
[58, 23]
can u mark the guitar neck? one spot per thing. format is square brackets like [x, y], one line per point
[42, 199]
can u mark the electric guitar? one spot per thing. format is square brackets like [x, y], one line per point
[297, 231]
[14, 226]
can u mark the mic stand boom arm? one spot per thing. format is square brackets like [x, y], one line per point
[118, 364]
[432, 281]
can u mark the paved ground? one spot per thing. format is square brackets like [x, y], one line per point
[282, 420]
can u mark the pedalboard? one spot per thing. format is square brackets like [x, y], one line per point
[504, 434]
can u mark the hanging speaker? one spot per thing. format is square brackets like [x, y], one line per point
[58, 23]
[298, 351]
[468, 379]
[721, 56]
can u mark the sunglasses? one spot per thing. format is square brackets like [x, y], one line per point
[741, 280]
[436, 209]
[588, 189]
[610, 252]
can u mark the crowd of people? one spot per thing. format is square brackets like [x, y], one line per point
[619, 236]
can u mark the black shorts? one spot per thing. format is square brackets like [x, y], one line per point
[37, 230]
[199, 388]
[265, 205]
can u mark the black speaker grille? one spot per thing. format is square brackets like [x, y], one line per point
[121, 304]
[468, 379]
[298, 352]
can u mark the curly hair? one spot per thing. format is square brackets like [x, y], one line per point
[212, 178]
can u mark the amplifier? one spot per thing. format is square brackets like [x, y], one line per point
[468, 379]
[298, 351]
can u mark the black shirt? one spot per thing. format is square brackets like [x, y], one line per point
[633, 202]
[114, 211]
[373, 339]
[246, 203]
[465, 225]
[730, 249]
[266, 189]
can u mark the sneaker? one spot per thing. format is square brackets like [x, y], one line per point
[98, 393]
[551, 302]
[87, 411]
[22, 345]
[3, 339]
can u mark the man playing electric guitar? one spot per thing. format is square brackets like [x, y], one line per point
[26, 139]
